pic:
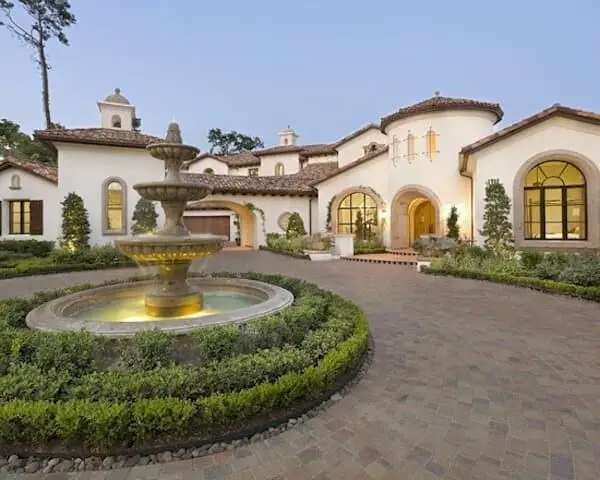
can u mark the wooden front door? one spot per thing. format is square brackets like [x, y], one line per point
[218, 225]
[424, 220]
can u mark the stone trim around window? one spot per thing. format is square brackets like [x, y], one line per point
[105, 185]
[592, 178]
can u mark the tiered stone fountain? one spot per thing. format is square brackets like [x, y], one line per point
[171, 301]
[172, 249]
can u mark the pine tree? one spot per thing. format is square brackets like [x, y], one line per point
[144, 217]
[295, 226]
[75, 224]
[497, 228]
[452, 224]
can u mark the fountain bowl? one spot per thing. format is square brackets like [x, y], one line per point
[157, 249]
[166, 191]
[173, 151]
[108, 310]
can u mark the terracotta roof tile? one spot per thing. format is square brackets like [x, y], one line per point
[47, 172]
[437, 103]
[296, 184]
[556, 109]
[98, 136]
[361, 160]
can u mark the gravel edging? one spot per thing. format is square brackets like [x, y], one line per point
[64, 464]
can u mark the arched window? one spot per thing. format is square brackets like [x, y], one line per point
[15, 182]
[115, 121]
[115, 206]
[555, 202]
[279, 170]
[357, 213]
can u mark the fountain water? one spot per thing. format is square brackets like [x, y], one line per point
[172, 249]
[171, 302]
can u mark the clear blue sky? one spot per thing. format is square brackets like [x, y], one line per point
[326, 67]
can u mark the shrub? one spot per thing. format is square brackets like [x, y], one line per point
[452, 224]
[530, 259]
[75, 224]
[584, 271]
[434, 246]
[149, 349]
[144, 217]
[551, 266]
[497, 229]
[295, 226]
[102, 256]
[35, 248]
[318, 242]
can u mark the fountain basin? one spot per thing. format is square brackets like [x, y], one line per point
[173, 151]
[156, 248]
[169, 191]
[119, 311]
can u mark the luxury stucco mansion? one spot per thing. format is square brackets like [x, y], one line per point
[403, 174]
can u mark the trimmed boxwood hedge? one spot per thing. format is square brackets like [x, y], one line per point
[41, 269]
[65, 391]
[547, 286]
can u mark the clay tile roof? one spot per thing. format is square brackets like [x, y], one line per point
[98, 136]
[437, 103]
[42, 170]
[296, 184]
[556, 109]
[361, 160]
[355, 134]
[302, 149]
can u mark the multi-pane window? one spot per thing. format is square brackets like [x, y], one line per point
[555, 202]
[20, 217]
[357, 213]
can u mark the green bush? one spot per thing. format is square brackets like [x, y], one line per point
[551, 266]
[434, 246]
[53, 388]
[36, 248]
[295, 226]
[149, 349]
[106, 255]
[584, 271]
[530, 259]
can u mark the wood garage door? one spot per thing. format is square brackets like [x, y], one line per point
[214, 225]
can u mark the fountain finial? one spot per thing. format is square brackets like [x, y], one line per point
[174, 133]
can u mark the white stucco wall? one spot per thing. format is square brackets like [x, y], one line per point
[108, 109]
[83, 168]
[353, 149]
[503, 159]
[290, 161]
[322, 159]
[219, 167]
[273, 207]
[33, 187]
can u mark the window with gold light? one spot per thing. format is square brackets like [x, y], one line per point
[431, 146]
[555, 202]
[114, 208]
[279, 169]
[410, 147]
[357, 212]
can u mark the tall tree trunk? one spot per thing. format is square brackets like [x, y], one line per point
[45, 82]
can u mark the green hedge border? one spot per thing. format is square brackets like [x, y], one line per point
[6, 273]
[219, 415]
[287, 253]
[546, 286]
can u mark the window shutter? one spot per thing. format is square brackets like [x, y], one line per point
[37, 217]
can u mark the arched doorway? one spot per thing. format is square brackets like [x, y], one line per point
[415, 212]
[247, 218]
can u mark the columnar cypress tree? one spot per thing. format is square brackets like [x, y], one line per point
[295, 226]
[75, 224]
[144, 217]
[497, 228]
[359, 226]
[452, 224]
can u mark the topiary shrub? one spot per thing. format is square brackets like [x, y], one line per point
[144, 217]
[497, 228]
[452, 224]
[295, 226]
[75, 224]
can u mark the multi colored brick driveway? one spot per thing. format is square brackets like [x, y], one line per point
[469, 380]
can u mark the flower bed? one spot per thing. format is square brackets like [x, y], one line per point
[40, 258]
[78, 393]
[572, 275]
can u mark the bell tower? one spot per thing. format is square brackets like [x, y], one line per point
[117, 113]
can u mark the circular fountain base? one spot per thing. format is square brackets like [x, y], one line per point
[120, 310]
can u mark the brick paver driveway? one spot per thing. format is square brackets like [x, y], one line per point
[469, 381]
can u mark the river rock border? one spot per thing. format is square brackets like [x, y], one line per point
[49, 464]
